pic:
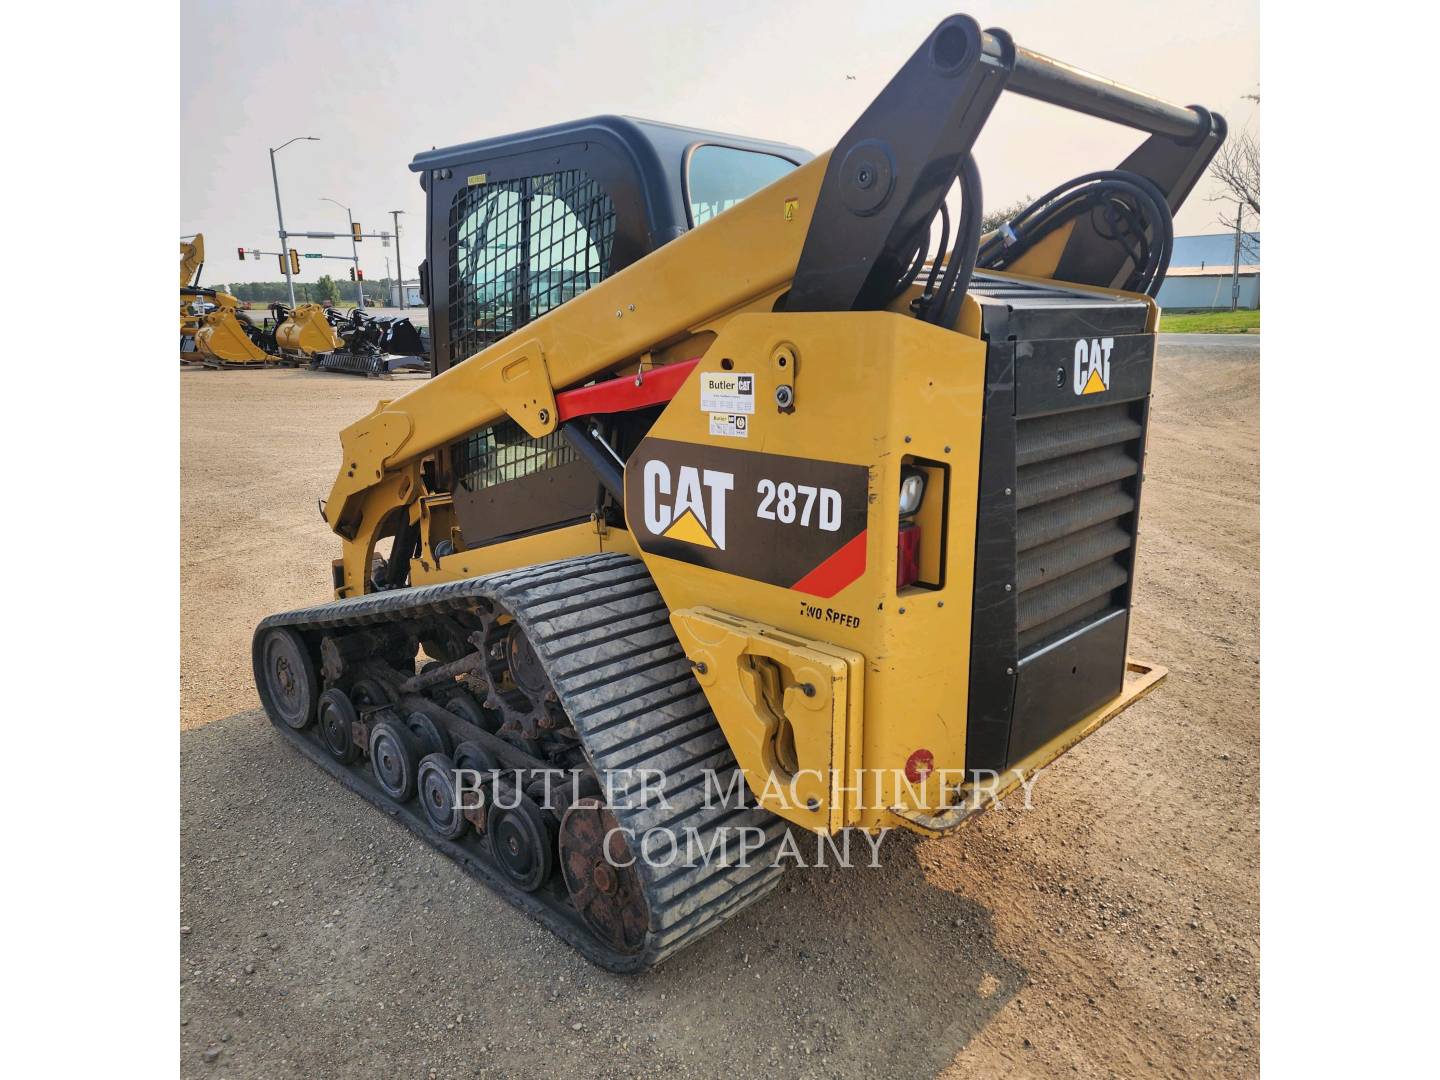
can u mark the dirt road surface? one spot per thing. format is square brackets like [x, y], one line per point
[1112, 930]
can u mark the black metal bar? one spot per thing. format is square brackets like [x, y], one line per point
[888, 175]
[599, 457]
[1037, 76]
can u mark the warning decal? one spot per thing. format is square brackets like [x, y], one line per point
[730, 425]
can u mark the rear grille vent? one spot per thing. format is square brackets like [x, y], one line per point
[1076, 492]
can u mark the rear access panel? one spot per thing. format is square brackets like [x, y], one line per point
[1067, 391]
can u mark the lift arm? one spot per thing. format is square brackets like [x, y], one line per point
[839, 231]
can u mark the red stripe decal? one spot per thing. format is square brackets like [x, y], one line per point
[837, 571]
[621, 395]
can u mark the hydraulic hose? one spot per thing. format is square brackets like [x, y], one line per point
[1130, 210]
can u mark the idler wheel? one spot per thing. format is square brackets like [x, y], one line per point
[337, 719]
[605, 890]
[520, 843]
[287, 677]
[369, 693]
[463, 705]
[395, 759]
[432, 738]
[436, 786]
[471, 755]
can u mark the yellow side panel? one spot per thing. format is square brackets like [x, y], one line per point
[871, 391]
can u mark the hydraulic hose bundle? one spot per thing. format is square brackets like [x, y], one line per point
[949, 276]
[1124, 207]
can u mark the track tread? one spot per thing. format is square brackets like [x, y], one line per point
[584, 616]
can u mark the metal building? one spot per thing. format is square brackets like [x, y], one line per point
[412, 294]
[1201, 275]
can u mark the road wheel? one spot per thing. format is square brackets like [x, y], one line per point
[395, 759]
[437, 796]
[520, 843]
[337, 718]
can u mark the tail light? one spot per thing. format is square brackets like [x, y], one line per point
[912, 492]
[907, 566]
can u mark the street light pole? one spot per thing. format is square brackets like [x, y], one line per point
[354, 254]
[399, 273]
[280, 214]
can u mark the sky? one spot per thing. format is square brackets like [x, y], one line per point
[379, 82]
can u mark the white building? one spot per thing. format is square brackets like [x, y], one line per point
[412, 294]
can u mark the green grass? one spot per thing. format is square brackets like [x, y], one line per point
[1210, 322]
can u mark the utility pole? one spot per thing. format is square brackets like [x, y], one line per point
[354, 252]
[280, 214]
[1235, 273]
[399, 273]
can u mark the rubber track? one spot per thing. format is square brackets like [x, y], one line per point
[598, 625]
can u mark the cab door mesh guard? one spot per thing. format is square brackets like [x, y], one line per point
[517, 249]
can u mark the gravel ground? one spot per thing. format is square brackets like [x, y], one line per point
[1111, 930]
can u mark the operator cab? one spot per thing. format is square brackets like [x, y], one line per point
[522, 223]
[519, 224]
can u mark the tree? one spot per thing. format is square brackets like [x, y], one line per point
[326, 289]
[1236, 168]
[993, 219]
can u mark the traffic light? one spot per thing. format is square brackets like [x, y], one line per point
[355, 231]
[352, 273]
[359, 275]
[281, 257]
[294, 261]
[242, 253]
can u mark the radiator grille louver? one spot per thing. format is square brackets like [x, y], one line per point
[1075, 496]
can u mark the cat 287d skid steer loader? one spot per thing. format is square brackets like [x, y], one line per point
[733, 509]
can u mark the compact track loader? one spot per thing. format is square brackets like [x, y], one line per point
[753, 494]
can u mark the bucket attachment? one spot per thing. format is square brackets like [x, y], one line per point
[228, 336]
[307, 330]
[401, 338]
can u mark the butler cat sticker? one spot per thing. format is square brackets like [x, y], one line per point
[727, 392]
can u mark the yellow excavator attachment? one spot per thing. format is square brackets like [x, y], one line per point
[222, 337]
[218, 336]
[307, 330]
[192, 258]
